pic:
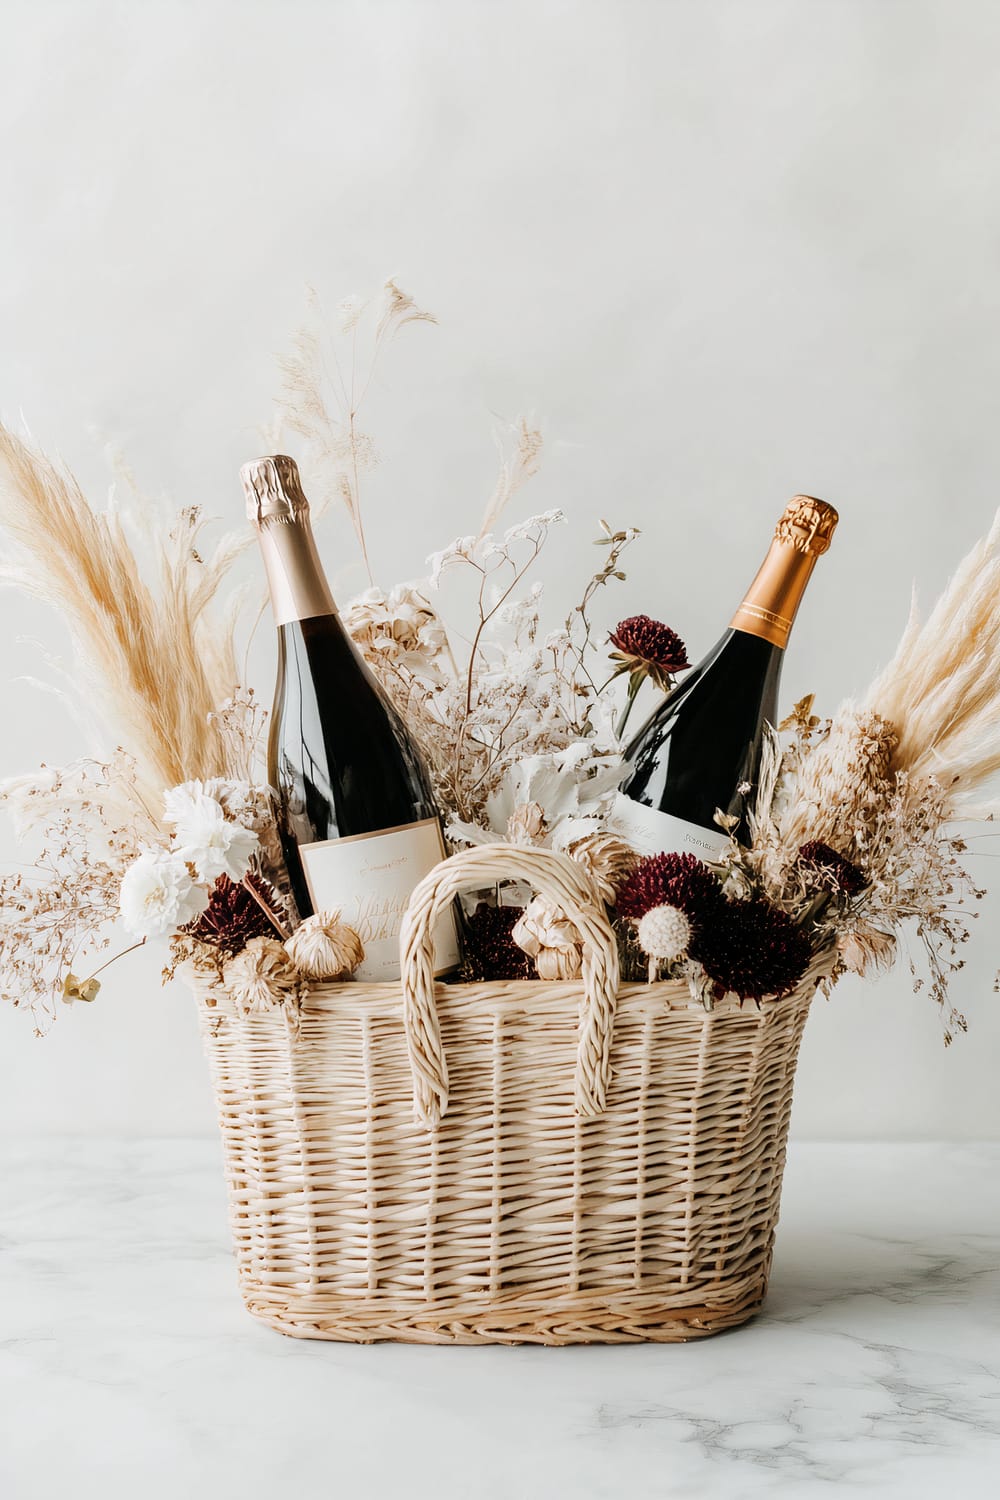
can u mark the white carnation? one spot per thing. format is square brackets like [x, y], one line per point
[210, 842]
[158, 894]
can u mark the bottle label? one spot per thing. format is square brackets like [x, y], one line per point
[650, 831]
[369, 878]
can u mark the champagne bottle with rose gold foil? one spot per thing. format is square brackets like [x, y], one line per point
[358, 824]
[699, 752]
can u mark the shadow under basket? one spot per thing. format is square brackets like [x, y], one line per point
[540, 1162]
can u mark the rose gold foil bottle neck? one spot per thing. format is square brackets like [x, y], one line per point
[279, 510]
[273, 490]
[802, 535]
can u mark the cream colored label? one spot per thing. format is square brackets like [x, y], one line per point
[650, 831]
[369, 879]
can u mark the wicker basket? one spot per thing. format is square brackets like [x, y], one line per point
[548, 1162]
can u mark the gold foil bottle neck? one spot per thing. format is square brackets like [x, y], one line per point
[274, 491]
[280, 512]
[802, 535]
[807, 525]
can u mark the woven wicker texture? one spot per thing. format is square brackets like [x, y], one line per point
[503, 1162]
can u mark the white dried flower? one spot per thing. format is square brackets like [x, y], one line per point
[262, 976]
[324, 947]
[238, 799]
[664, 933]
[207, 839]
[158, 894]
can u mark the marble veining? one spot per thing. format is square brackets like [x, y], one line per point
[128, 1366]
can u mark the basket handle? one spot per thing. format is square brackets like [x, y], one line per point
[562, 880]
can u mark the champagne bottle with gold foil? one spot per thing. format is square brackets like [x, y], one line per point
[357, 818]
[703, 743]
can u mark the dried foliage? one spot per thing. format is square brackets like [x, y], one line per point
[896, 881]
[59, 913]
[852, 855]
[517, 694]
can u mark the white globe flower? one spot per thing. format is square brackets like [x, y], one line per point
[664, 933]
[215, 846]
[158, 894]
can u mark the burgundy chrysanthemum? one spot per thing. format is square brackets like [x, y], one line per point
[232, 916]
[752, 949]
[836, 870]
[649, 642]
[489, 950]
[680, 880]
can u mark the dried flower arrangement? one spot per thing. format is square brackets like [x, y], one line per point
[169, 830]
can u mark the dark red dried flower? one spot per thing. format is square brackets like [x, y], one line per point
[649, 642]
[752, 949]
[680, 880]
[232, 916]
[834, 869]
[490, 951]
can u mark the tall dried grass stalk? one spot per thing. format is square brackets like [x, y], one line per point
[941, 690]
[516, 468]
[323, 391]
[153, 659]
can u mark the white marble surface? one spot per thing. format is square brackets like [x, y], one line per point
[128, 1367]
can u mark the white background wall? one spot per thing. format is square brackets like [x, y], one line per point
[723, 251]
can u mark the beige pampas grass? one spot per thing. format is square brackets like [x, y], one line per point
[153, 660]
[941, 690]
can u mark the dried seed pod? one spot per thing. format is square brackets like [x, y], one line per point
[324, 947]
[262, 976]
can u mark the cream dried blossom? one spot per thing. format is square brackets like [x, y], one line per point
[545, 932]
[159, 894]
[324, 947]
[401, 627]
[262, 977]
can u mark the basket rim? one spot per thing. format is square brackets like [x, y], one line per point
[321, 996]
